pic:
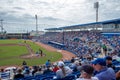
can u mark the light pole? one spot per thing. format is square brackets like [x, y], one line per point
[96, 6]
[1, 25]
[63, 36]
[1, 34]
[36, 23]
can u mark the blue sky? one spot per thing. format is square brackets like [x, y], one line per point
[19, 15]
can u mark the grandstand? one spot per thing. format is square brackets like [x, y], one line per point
[105, 28]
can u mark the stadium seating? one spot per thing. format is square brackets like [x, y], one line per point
[70, 77]
[5, 75]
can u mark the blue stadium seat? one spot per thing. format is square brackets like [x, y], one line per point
[117, 68]
[77, 74]
[39, 76]
[70, 77]
[30, 78]
[50, 74]
[19, 79]
[5, 75]
[47, 78]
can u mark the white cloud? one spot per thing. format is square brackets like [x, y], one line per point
[55, 13]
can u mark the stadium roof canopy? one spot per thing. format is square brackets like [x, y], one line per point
[79, 25]
[111, 21]
[53, 29]
[114, 21]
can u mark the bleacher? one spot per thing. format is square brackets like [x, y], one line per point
[5, 75]
[51, 76]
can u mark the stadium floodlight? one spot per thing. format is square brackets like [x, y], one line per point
[63, 36]
[96, 6]
[1, 25]
[36, 24]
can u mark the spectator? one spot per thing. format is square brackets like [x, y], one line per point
[77, 66]
[72, 60]
[48, 63]
[19, 74]
[27, 73]
[39, 71]
[35, 68]
[103, 73]
[63, 71]
[86, 73]
[4, 75]
[55, 67]
[109, 62]
[48, 70]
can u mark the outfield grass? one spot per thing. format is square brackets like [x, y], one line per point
[12, 51]
[10, 41]
[9, 55]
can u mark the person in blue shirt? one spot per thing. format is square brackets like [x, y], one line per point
[103, 72]
[48, 63]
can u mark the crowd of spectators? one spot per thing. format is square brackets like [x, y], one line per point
[88, 46]
[97, 69]
[84, 43]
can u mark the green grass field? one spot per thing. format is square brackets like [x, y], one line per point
[10, 55]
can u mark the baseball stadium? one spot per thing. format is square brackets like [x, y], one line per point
[85, 51]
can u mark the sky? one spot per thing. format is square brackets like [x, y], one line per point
[19, 15]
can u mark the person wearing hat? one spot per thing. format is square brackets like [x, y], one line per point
[103, 72]
[63, 71]
[86, 73]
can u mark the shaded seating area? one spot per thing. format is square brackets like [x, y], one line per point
[56, 44]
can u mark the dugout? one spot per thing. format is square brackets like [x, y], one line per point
[56, 44]
[17, 35]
